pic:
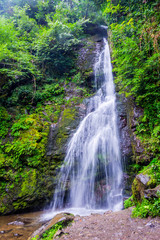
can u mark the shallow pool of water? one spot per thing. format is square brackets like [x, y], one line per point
[19, 226]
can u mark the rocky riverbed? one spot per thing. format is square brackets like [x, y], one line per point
[19, 226]
[113, 226]
[107, 226]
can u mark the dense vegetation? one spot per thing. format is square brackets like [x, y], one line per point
[39, 42]
[135, 33]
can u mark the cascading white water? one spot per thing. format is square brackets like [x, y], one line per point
[91, 176]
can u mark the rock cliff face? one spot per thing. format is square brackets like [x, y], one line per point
[131, 147]
[34, 187]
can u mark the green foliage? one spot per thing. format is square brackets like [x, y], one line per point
[113, 12]
[28, 145]
[29, 183]
[147, 208]
[78, 78]
[134, 37]
[48, 235]
[5, 122]
[35, 238]
[54, 45]
[153, 170]
[136, 60]
[128, 203]
[16, 61]
[38, 40]
[49, 92]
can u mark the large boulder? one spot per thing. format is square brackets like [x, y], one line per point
[63, 218]
[145, 185]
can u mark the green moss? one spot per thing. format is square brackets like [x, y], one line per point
[24, 150]
[68, 117]
[4, 121]
[19, 205]
[29, 180]
[137, 189]
[2, 208]
[29, 143]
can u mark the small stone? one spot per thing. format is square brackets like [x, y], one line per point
[108, 212]
[17, 235]
[149, 224]
[18, 223]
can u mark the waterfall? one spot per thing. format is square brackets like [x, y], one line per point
[91, 175]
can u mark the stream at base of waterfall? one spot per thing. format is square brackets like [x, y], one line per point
[90, 179]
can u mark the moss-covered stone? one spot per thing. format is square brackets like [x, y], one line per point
[137, 190]
[145, 180]
[60, 135]
[26, 192]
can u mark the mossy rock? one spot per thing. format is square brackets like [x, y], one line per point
[60, 135]
[30, 190]
[137, 190]
[61, 219]
[144, 181]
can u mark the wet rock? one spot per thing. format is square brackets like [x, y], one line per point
[128, 115]
[150, 224]
[66, 218]
[58, 234]
[87, 56]
[144, 179]
[5, 231]
[141, 188]
[26, 221]
[152, 193]
[17, 223]
[95, 29]
[61, 133]
[132, 150]
[17, 235]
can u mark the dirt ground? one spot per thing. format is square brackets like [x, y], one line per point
[112, 226]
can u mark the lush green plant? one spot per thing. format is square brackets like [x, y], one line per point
[48, 235]
[136, 64]
[128, 203]
[28, 145]
[134, 37]
[147, 208]
[4, 121]
[35, 238]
